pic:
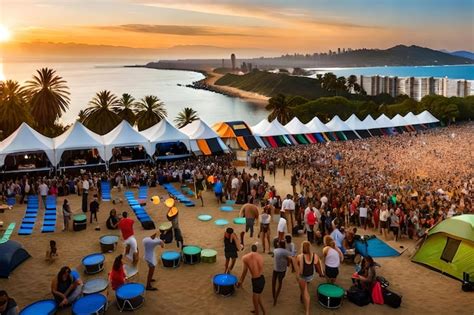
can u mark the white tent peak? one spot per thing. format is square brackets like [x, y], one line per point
[411, 119]
[26, 139]
[260, 127]
[274, 129]
[369, 123]
[384, 122]
[399, 121]
[295, 127]
[198, 129]
[316, 126]
[427, 118]
[337, 124]
[124, 135]
[163, 131]
[355, 123]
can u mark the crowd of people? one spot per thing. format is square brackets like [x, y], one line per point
[397, 186]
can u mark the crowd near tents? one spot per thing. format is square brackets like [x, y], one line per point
[78, 147]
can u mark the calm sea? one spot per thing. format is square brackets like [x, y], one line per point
[85, 79]
[452, 72]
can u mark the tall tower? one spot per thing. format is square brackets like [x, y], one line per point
[222, 62]
[232, 59]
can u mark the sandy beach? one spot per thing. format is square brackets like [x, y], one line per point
[188, 289]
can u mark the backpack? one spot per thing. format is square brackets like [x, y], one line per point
[391, 298]
[358, 296]
[311, 218]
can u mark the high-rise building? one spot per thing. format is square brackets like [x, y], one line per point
[232, 60]
[339, 51]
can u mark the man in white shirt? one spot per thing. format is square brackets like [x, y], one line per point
[150, 243]
[383, 220]
[43, 190]
[288, 206]
[85, 193]
[363, 215]
[282, 226]
[235, 187]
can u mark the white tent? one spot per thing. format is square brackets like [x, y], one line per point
[411, 119]
[337, 124]
[164, 131]
[426, 118]
[78, 137]
[355, 123]
[123, 136]
[384, 122]
[26, 139]
[274, 129]
[260, 127]
[369, 123]
[316, 126]
[296, 127]
[399, 121]
[199, 130]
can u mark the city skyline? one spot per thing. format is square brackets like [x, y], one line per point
[268, 26]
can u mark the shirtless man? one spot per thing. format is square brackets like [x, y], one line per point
[250, 212]
[254, 262]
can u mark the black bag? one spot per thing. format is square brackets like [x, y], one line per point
[391, 298]
[358, 296]
[148, 225]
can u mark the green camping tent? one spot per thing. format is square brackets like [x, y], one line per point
[449, 247]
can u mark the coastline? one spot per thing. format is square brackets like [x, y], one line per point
[208, 83]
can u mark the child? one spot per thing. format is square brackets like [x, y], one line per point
[51, 252]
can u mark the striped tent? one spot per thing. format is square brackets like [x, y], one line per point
[371, 126]
[356, 124]
[237, 135]
[203, 139]
[341, 129]
[273, 134]
[300, 132]
[320, 131]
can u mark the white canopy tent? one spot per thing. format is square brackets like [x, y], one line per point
[25, 140]
[427, 118]
[78, 137]
[412, 119]
[384, 122]
[338, 125]
[164, 131]
[199, 130]
[260, 127]
[316, 126]
[295, 127]
[369, 123]
[399, 121]
[124, 136]
[356, 124]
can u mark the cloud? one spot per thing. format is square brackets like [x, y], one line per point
[181, 30]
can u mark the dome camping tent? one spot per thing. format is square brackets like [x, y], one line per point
[449, 247]
[12, 254]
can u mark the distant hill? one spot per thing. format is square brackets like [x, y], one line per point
[463, 53]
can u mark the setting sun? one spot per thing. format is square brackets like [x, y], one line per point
[4, 34]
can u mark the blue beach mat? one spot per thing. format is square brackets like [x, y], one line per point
[375, 247]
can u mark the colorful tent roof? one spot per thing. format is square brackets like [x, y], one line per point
[198, 131]
[232, 129]
[78, 137]
[26, 139]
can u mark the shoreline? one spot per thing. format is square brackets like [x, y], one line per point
[208, 84]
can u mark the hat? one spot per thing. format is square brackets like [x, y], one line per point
[169, 202]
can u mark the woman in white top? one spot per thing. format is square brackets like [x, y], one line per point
[265, 219]
[332, 258]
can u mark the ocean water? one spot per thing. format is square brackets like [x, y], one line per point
[85, 79]
[452, 72]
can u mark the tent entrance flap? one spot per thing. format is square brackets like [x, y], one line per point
[202, 144]
[450, 249]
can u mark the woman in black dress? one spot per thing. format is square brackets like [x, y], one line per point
[231, 247]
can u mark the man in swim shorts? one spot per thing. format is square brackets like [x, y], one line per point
[253, 261]
[250, 212]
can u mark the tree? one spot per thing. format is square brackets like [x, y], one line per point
[186, 116]
[351, 82]
[49, 97]
[329, 82]
[340, 87]
[150, 111]
[13, 106]
[281, 109]
[124, 108]
[99, 116]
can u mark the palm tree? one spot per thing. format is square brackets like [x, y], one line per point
[99, 116]
[13, 106]
[150, 111]
[351, 82]
[124, 108]
[186, 116]
[281, 109]
[49, 97]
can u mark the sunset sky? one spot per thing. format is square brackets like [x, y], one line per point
[276, 26]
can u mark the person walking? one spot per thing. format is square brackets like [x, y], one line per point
[85, 193]
[150, 243]
[332, 259]
[253, 262]
[250, 213]
[231, 248]
[281, 259]
[94, 208]
[288, 206]
[66, 214]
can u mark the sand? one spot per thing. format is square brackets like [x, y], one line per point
[188, 289]
[251, 97]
